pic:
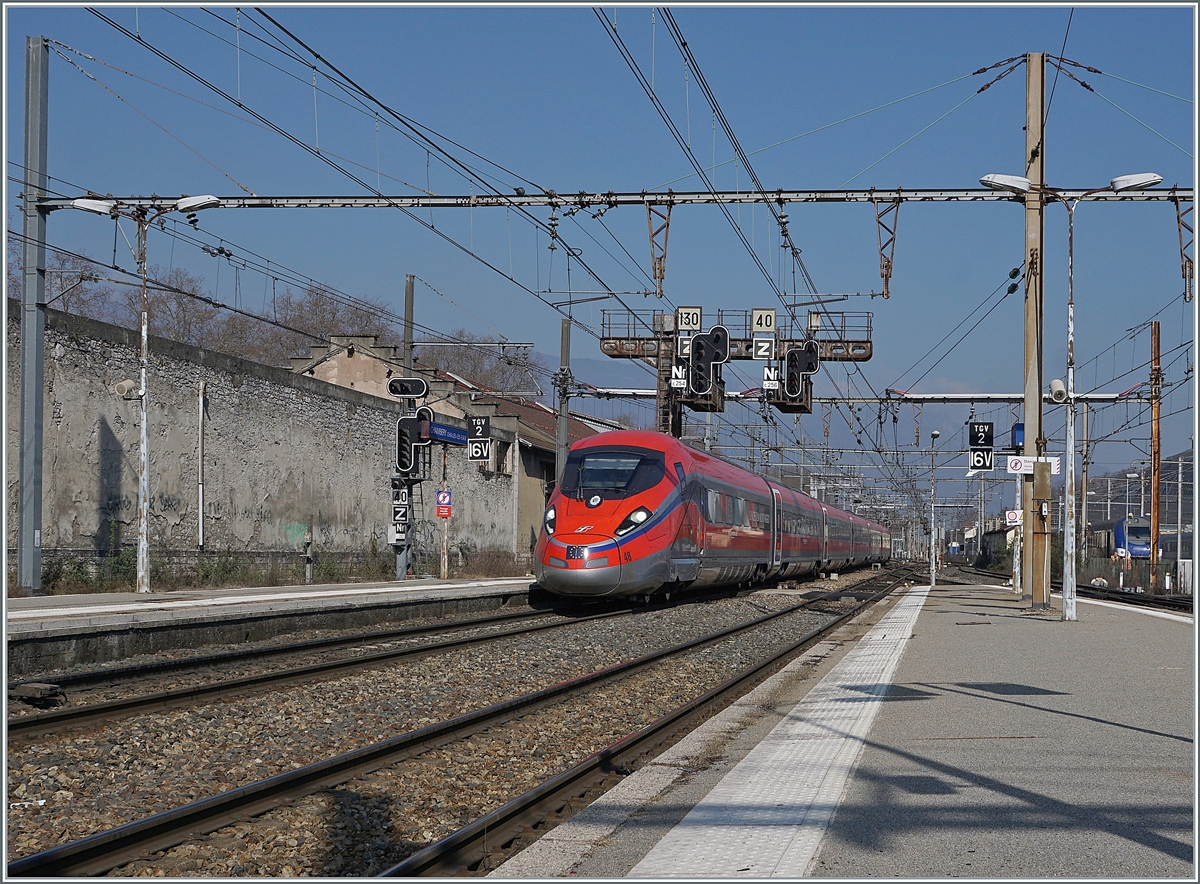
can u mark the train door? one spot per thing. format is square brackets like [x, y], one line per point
[824, 537]
[777, 521]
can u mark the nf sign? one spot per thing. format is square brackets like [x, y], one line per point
[679, 375]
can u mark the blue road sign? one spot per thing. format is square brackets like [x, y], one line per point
[447, 434]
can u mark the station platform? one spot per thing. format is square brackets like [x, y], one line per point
[959, 735]
[46, 632]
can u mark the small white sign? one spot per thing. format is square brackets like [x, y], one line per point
[479, 450]
[1024, 465]
[770, 377]
[1012, 518]
[679, 377]
[981, 459]
[762, 321]
[763, 348]
[687, 319]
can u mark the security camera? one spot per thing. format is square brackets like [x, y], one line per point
[1058, 392]
[126, 389]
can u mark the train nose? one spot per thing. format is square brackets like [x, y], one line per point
[581, 564]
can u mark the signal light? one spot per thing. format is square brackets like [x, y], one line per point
[408, 388]
[708, 349]
[800, 361]
[409, 437]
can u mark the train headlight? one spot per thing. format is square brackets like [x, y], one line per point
[549, 520]
[633, 520]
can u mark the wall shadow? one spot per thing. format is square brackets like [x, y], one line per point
[109, 498]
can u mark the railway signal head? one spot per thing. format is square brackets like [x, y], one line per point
[800, 361]
[708, 349]
[408, 388]
[411, 433]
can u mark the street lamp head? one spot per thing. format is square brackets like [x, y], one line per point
[1011, 183]
[196, 203]
[1134, 182]
[934, 435]
[100, 207]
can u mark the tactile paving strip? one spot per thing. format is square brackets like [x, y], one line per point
[767, 816]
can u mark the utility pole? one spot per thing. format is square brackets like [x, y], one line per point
[408, 324]
[1179, 526]
[1083, 515]
[1019, 544]
[33, 316]
[668, 411]
[933, 546]
[1155, 451]
[561, 441]
[1034, 560]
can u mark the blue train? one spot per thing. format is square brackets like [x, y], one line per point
[1126, 536]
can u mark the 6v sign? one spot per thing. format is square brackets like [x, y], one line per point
[982, 459]
[479, 450]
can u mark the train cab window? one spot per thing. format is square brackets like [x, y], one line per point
[1138, 533]
[679, 472]
[613, 473]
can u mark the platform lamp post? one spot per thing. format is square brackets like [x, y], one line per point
[145, 216]
[1016, 184]
[933, 437]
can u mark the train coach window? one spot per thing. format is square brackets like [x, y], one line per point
[715, 511]
[614, 474]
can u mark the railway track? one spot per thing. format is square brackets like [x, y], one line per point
[91, 713]
[1085, 590]
[491, 836]
[196, 662]
[110, 849]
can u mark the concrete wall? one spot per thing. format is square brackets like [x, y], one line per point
[282, 451]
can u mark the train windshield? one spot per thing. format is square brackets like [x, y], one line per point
[613, 473]
[1139, 533]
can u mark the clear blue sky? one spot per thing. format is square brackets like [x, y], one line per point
[544, 93]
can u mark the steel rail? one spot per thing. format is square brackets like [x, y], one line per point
[74, 716]
[103, 851]
[457, 853]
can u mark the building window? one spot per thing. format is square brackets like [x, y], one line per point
[501, 452]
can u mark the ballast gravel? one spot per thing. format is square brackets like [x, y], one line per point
[65, 787]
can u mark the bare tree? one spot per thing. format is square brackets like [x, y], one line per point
[502, 369]
[73, 284]
[296, 322]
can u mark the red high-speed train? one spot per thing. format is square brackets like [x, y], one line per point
[638, 511]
